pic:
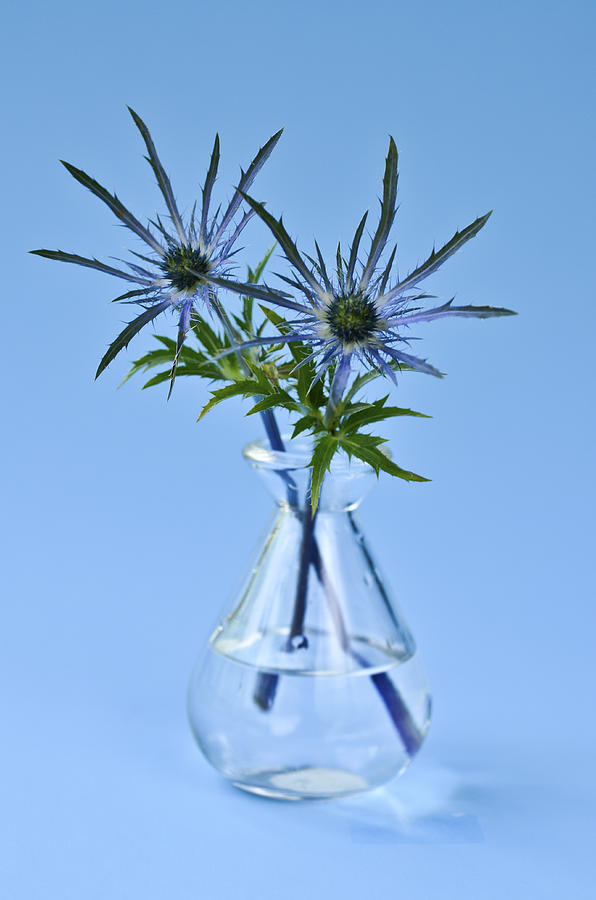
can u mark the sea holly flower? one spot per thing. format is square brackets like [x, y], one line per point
[357, 311]
[184, 258]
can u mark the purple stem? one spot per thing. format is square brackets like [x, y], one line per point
[267, 682]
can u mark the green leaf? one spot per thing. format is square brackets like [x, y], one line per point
[149, 361]
[207, 337]
[374, 413]
[362, 380]
[305, 423]
[254, 277]
[279, 398]
[365, 447]
[245, 388]
[168, 342]
[306, 375]
[274, 318]
[203, 372]
[324, 451]
[129, 332]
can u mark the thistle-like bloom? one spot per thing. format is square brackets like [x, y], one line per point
[359, 312]
[184, 259]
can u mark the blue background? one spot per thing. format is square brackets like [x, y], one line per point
[127, 525]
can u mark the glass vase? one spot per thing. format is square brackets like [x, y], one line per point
[310, 686]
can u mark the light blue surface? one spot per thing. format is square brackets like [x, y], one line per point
[120, 540]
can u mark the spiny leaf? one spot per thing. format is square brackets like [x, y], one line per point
[472, 312]
[246, 180]
[322, 268]
[208, 187]
[259, 292]
[414, 362]
[162, 179]
[129, 332]
[125, 297]
[61, 256]
[387, 272]
[354, 253]
[112, 201]
[339, 268]
[388, 209]
[290, 249]
[438, 257]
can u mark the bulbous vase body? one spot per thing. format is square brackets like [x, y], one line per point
[311, 685]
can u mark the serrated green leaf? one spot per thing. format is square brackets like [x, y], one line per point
[278, 398]
[303, 424]
[365, 447]
[254, 277]
[324, 451]
[273, 317]
[203, 372]
[245, 388]
[207, 337]
[374, 413]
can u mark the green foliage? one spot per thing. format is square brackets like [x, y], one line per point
[278, 376]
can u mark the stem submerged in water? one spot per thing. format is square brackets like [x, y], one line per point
[267, 682]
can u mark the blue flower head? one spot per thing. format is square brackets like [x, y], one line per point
[357, 310]
[184, 259]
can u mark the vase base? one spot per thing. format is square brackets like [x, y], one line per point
[307, 783]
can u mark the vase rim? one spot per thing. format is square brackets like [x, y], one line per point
[298, 455]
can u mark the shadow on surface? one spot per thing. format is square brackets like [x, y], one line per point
[427, 806]
[422, 808]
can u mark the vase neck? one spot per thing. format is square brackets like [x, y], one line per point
[287, 477]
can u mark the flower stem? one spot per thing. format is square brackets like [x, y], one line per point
[267, 682]
[307, 549]
[338, 386]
